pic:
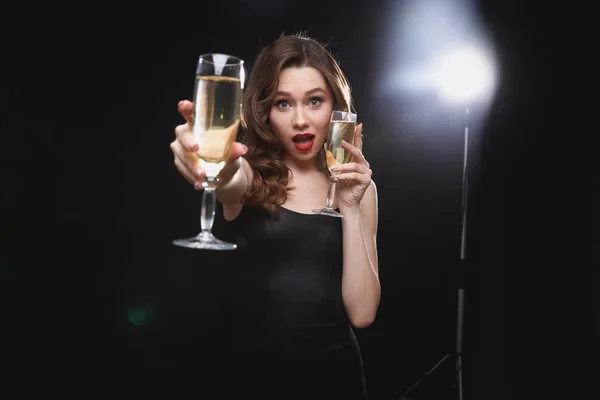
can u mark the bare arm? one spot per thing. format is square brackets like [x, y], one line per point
[361, 290]
[235, 182]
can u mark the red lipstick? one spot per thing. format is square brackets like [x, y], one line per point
[303, 141]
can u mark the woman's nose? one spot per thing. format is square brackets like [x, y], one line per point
[300, 120]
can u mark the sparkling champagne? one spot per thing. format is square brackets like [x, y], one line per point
[338, 131]
[217, 108]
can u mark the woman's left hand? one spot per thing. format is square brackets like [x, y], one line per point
[354, 177]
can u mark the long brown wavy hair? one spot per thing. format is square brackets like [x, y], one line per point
[270, 184]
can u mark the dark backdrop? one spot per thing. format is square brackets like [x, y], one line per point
[97, 298]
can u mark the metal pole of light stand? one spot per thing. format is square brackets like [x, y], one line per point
[460, 307]
[461, 266]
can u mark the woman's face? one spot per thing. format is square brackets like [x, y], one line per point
[301, 112]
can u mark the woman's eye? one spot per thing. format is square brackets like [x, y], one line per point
[282, 104]
[315, 102]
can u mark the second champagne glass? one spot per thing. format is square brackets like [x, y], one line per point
[341, 127]
[216, 118]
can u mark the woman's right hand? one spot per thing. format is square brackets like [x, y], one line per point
[184, 149]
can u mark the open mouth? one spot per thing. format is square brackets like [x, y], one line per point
[304, 141]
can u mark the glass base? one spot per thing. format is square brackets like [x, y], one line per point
[330, 212]
[204, 241]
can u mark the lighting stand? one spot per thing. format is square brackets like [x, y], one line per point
[460, 284]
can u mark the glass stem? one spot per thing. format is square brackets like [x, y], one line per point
[330, 193]
[207, 213]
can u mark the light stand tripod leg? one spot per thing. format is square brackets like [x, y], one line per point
[421, 379]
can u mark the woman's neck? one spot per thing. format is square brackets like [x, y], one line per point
[300, 166]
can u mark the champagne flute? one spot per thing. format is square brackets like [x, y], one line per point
[216, 118]
[341, 127]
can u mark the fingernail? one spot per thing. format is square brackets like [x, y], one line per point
[180, 104]
[194, 147]
[197, 185]
[245, 150]
[344, 142]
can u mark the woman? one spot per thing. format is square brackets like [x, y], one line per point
[304, 279]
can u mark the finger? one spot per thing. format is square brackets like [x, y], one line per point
[351, 167]
[187, 174]
[186, 138]
[237, 150]
[184, 171]
[358, 137]
[357, 155]
[233, 163]
[354, 176]
[187, 163]
[186, 109]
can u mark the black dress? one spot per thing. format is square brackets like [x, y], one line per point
[288, 333]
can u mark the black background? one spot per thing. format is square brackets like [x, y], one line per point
[91, 200]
